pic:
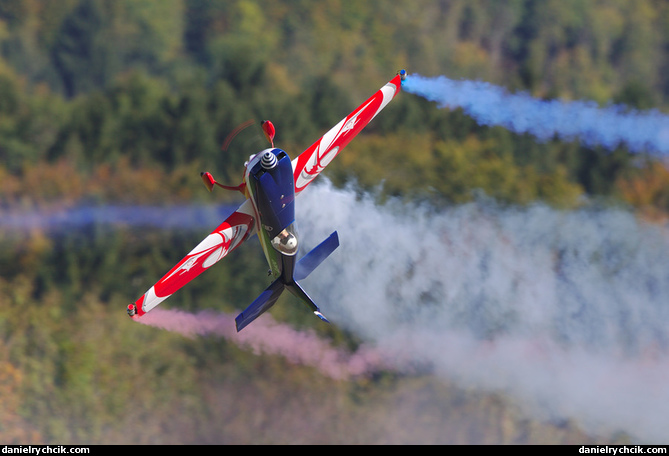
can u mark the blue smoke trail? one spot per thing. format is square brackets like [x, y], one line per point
[63, 220]
[611, 126]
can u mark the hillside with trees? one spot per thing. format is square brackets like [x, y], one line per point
[124, 102]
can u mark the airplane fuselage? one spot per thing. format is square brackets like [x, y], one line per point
[271, 187]
[271, 182]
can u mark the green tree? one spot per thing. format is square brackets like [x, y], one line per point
[81, 54]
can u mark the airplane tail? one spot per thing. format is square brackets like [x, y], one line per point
[269, 297]
[297, 290]
[303, 268]
[261, 304]
[315, 257]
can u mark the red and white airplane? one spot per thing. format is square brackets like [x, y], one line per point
[271, 182]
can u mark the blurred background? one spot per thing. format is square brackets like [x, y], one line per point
[523, 282]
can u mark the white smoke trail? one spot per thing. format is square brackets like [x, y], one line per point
[610, 126]
[566, 311]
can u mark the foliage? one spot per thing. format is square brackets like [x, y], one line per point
[126, 101]
[647, 189]
[162, 83]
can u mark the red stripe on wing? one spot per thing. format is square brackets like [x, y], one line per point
[224, 239]
[312, 161]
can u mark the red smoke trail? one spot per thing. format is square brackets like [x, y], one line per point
[266, 336]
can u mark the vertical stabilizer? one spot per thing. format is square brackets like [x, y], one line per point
[297, 290]
[315, 257]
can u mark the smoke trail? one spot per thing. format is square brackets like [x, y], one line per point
[268, 337]
[490, 105]
[566, 311]
[60, 220]
[265, 336]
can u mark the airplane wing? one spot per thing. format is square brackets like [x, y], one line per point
[238, 227]
[312, 161]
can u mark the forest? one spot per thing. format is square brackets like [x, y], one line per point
[124, 102]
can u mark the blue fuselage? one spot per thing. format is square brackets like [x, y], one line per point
[271, 187]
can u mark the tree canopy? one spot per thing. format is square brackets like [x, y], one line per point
[126, 101]
[162, 83]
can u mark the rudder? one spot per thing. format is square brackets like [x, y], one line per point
[315, 257]
[298, 291]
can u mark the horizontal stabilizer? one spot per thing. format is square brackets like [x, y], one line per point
[263, 302]
[315, 257]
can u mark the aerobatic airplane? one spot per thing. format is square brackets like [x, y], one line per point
[271, 182]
